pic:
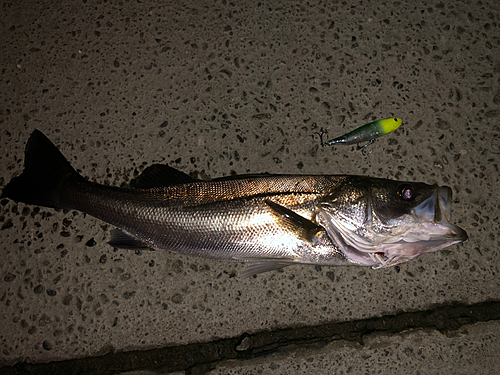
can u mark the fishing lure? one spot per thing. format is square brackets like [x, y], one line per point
[366, 133]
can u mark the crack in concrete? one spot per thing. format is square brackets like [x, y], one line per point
[198, 358]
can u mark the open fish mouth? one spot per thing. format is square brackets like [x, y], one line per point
[435, 215]
[383, 243]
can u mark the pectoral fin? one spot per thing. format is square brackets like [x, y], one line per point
[303, 228]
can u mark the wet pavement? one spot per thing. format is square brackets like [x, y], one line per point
[217, 88]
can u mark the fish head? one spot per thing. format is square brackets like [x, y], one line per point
[380, 223]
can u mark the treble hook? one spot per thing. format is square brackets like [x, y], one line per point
[363, 147]
[321, 133]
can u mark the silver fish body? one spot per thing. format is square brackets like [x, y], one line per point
[270, 221]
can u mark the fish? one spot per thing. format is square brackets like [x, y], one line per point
[366, 133]
[268, 221]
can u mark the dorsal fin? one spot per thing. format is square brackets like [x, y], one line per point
[158, 175]
[245, 176]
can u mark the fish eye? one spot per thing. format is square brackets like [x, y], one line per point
[406, 192]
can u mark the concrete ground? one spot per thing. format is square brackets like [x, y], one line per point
[220, 87]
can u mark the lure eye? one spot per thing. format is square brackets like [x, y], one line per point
[406, 192]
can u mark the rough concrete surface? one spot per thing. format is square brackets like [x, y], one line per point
[471, 350]
[219, 87]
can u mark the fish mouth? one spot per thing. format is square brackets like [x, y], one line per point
[425, 228]
[435, 214]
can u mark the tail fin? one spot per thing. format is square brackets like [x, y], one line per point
[46, 172]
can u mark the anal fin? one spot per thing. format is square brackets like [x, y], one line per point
[122, 240]
[258, 266]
